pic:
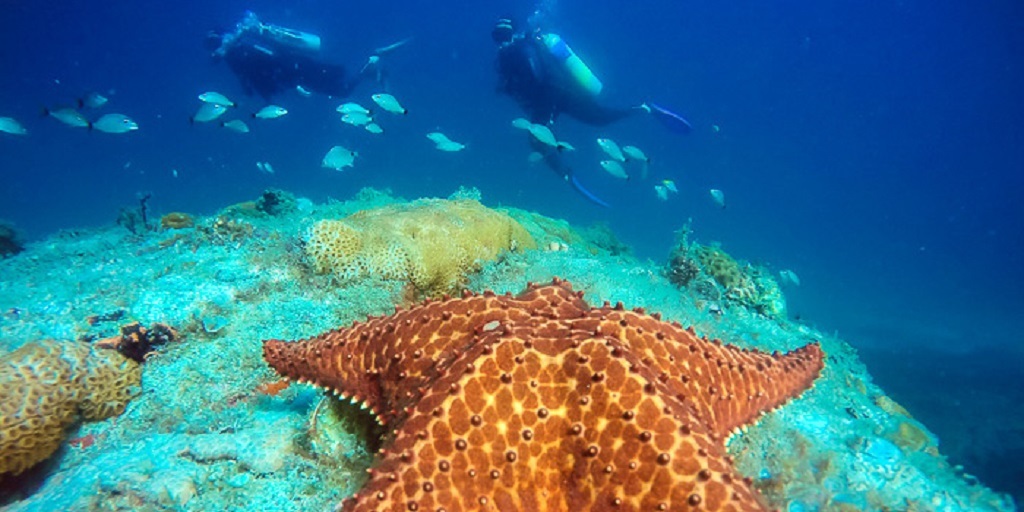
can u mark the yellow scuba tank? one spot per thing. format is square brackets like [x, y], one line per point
[572, 64]
[296, 39]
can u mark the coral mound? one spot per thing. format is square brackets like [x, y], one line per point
[430, 243]
[47, 386]
[176, 220]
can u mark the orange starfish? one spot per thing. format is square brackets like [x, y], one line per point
[540, 402]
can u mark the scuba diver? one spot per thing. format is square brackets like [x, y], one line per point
[546, 78]
[269, 59]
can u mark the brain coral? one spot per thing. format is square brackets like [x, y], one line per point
[47, 386]
[431, 243]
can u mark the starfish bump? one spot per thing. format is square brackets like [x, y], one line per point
[540, 402]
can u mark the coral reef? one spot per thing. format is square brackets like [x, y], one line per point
[276, 202]
[431, 244]
[47, 386]
[714, 275]
[10, 243]
[176, 220]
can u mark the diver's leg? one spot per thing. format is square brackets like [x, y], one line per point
[554, 161]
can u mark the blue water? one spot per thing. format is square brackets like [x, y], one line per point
[874, 148]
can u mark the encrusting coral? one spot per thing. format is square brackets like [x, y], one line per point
[743, 284]
[47, 386]
[176, 220]
[431, 243]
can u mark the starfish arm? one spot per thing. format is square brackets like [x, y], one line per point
[382, 364]
[729, 387]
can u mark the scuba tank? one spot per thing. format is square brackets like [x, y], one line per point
[572, 64]
[303, 41]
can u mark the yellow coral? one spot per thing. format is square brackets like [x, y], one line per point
[176, 220]
[47, 385]
[430, 243]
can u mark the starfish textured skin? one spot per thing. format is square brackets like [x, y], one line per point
[540, 402]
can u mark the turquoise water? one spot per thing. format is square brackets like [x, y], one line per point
[874, 150]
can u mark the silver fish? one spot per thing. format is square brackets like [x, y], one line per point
[236, 125]
[438, 137]
[356, 119]
[92, 100]
[373, 128]
[444, 143]
[615, 169]
[115, 123]
[718, 197]
[352, 108]
[216, 98]
[208, 112]
[788, 277]
[68, 116]
[11, 126]
[270, 112]
[543, 134]
[338, 158]
[389, 103]
[450, 146]
[634, 153]
[521, 123]
[612, 149]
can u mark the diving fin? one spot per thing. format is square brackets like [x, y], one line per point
[586, 193]
[671, 120]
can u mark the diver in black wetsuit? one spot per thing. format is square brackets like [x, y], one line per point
[270, 59]
[546, 78]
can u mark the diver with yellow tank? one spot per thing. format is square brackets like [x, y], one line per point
[546, 78]
[270, 59]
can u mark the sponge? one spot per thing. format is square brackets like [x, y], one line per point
[432, 243]
[47, 386]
